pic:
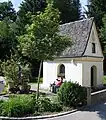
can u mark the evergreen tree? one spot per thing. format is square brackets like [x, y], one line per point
[103, 35]
[8, 41]
[70, 10]
[26, 9]
[7, 11]
[8, 28]
[97, 9]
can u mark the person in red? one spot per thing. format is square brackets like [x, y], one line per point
[58, 83]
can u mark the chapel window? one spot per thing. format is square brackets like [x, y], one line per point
[61, 71]
[93, 48]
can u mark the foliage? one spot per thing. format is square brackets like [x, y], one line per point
[70, 10]
[97, 9]
[46, 105]
[8, 30]
[26, 9]
[15, 77]
[24, 105]
[103, 35]
[17, 107]
[10, 70]
[8, 39]
[7, 11]
[42, 40]
[104, 80]
[72, 94]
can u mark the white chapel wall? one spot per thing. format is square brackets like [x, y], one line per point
[73, 72]
[93, 39]
[86, 81]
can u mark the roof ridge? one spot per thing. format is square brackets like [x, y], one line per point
[91, 18]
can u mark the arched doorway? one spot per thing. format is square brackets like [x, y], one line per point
[61, 71]
[93, 76]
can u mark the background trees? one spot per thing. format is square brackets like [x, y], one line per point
[8, 40]
[103, 35]
[8, 32]
[7, 11]
[69, 10]
[97, 9]
[26, 9]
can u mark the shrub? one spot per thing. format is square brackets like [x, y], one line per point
[46, 105]
[14, 76]
[17, 107]
[25, 105]
[10, 71]
[72, 94]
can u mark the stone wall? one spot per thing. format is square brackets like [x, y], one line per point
[98, 96]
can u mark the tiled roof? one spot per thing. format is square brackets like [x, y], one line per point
[79, 31]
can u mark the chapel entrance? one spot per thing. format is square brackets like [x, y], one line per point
[93, 76]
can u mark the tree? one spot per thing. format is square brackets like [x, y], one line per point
[7, 11]
[103, 35]
[42, 40]
[69, 9]
[7, 29]
[103, 40]
[8, 39]
[97, 9]
[28, 8]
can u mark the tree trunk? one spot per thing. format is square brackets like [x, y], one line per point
[39, 79]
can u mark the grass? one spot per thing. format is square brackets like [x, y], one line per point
[104, 79]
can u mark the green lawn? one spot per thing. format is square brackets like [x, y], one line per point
[104, 79]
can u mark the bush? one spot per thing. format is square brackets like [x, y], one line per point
[17, 107]
[46, 105]
[26, 105]
[15, 74]
[72, 94]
